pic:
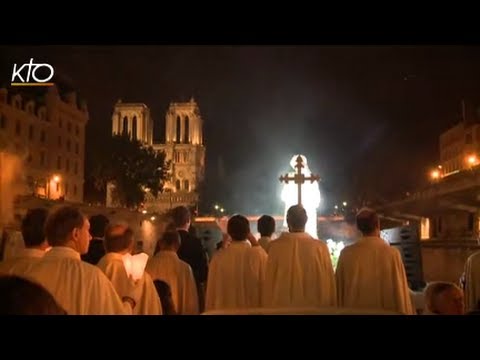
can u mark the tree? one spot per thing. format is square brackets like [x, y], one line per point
[133, 169]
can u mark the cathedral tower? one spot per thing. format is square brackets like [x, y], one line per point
[184, 148]
[184, 124]
[133, 119]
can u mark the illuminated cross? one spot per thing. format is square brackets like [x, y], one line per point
[299, 178]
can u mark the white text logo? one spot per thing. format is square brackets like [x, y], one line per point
[32, 74]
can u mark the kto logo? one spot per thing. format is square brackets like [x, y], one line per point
[32, 74]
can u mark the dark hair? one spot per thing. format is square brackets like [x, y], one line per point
[266, 225]
[24, 297]
[61, 223]
[33, 226]
[180, 215]
[116, 241]
[98, 224]
[238, 227]
[367, 221]
[165, 295]
[296, 217]
[169, 238]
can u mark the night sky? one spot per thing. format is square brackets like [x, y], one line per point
[367, 118]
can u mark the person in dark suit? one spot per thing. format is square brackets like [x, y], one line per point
[191, 250]
[96, 249]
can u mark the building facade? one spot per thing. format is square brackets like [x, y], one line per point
[47, 130]
[447, 212]
[459, 148]
[183, 148]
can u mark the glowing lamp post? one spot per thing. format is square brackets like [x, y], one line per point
[55, 179]
[472, 160]
[218, 210]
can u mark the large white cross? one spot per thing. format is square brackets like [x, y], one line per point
[299, 178]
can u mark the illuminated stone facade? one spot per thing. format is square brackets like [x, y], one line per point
[183, 147]
[47, 130]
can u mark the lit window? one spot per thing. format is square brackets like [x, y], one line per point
[425, 229]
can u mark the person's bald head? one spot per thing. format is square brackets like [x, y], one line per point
[118, 238]
[368, 222]
[296, 218]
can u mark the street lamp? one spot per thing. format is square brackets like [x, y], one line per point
[472, 160]
[56, 179]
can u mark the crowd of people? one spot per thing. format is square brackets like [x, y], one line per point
[75, 265]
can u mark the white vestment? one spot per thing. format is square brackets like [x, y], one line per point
[13, 246]
[299, 273]
[113, 267]
[22, 263]
[370, 274]
[236, 276]
[264, 242]
[310, 197]
[472, 281]
[80, 288]
[418, 301]
[168, 267]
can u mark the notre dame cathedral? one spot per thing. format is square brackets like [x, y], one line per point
[183, 147]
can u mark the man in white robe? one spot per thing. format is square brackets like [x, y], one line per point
[237, 273]
[78, 287]
[370, 273]
[35, 244]
[472, 282]
[299, 268]
[165, 265]
[266, 227]
[119, 242]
